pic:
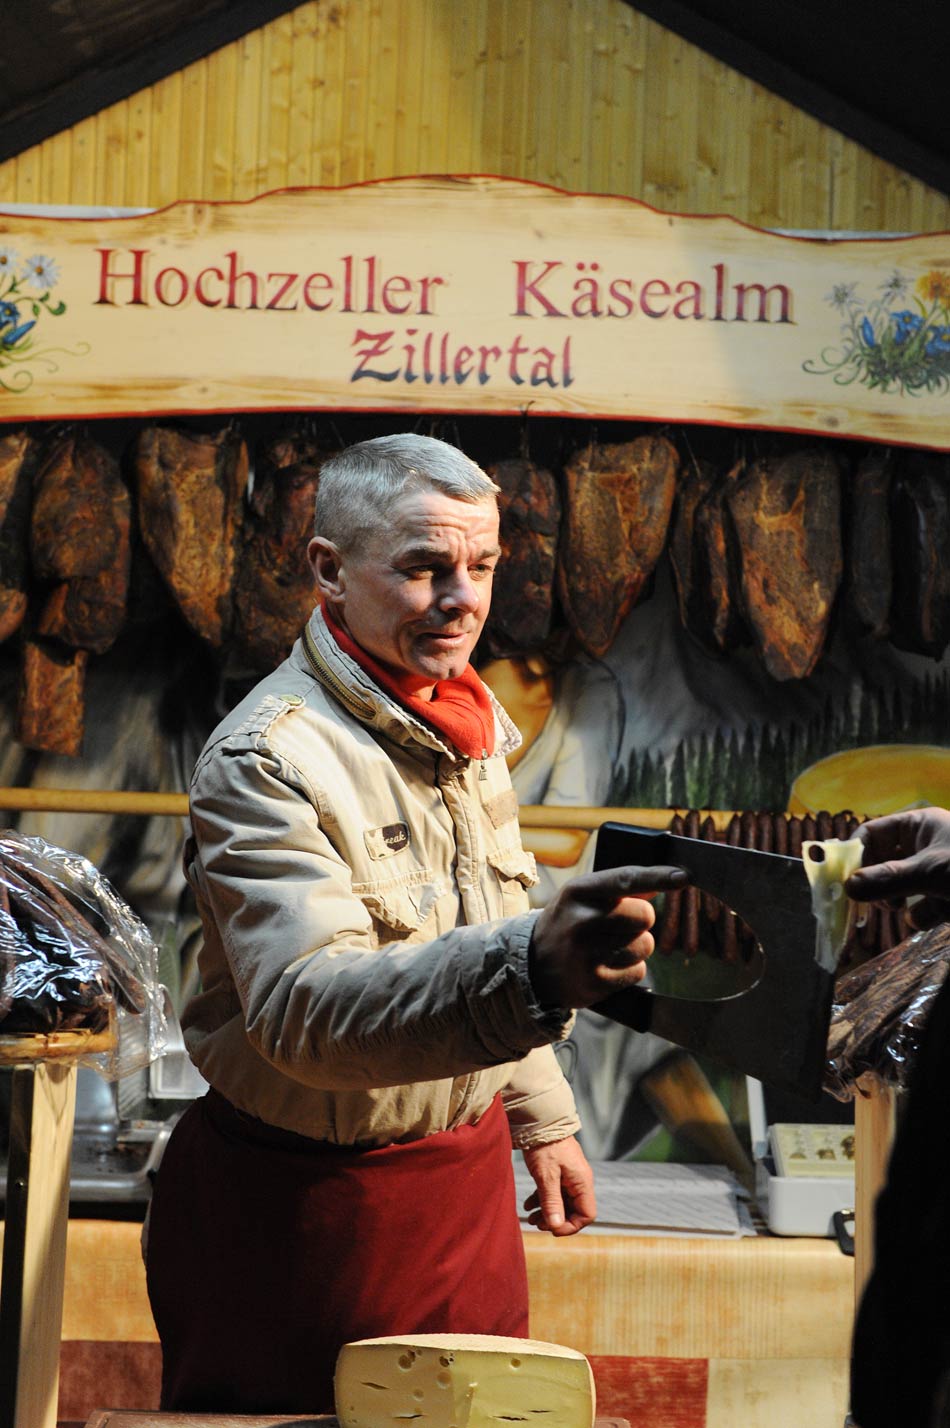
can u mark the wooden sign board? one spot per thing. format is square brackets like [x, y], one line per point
[473, 294]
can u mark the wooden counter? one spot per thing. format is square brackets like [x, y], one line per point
[682, 1333]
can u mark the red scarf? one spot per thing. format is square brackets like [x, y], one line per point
[459, 708]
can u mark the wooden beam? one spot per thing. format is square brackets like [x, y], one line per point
[43, 1101]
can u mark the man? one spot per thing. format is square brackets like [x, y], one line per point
[900, 1373]
[378, 1005]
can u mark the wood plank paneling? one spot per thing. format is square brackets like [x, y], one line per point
[164, 158]
[249, 173]
[584, 94]
[191, 150]
[331, 60]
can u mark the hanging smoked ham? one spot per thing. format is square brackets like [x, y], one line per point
[786, 515]
[80, 540]
[274, 591]
[16, 451]
[704, 559]
[696, 480]
[920, 514]
[73, 530]
[190, 492]
[530, 509]
[51, 712]
[868, 580]
[618, 503]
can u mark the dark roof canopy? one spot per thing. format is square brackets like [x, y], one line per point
[871, 69]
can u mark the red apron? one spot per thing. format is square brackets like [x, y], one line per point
[267, 1251]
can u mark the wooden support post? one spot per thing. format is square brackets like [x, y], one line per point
[874, 1121]
[43, 1103]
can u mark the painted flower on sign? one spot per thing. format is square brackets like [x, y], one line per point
[904, 350]
[842, 295]
[935, 287]
[25, 301]
[42, 272]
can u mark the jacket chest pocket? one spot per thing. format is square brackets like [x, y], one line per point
[400, 909]
[514, 871]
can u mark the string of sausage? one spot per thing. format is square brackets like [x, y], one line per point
[690, 921]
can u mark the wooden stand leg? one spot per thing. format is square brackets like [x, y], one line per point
[874, 1120]
[43, 1103]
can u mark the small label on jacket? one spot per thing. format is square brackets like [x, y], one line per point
[383, 842]
[502, 808]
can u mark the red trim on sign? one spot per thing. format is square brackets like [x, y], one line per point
[400, 179]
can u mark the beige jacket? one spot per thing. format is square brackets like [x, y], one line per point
[362, 894]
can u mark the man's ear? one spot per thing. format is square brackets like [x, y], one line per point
[326, 562]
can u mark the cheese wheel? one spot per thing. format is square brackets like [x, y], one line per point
[829, 862]
[462, 1381]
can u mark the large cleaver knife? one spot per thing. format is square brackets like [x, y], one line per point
[777, 1029]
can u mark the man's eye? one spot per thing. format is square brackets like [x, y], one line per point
[480, 571]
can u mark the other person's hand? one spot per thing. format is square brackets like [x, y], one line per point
[593, 938]
[564, 1201]
[905, 855]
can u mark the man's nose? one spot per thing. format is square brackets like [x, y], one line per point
[460, 593]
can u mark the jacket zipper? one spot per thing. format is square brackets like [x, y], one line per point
[326, 676]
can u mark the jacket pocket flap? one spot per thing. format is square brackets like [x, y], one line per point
[402, 908]
[514, 864]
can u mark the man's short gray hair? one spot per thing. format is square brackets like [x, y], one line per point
[358, 486]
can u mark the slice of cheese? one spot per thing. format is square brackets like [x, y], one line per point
[828, 864]
[462, 1381]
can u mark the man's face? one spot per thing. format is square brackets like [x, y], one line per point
[417, 596]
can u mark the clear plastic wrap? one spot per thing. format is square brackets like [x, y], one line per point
[74, 956]
[879, 1014]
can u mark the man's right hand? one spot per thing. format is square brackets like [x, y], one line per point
[906, 854]
[594, 937]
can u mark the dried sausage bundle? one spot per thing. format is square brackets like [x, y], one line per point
[530, 515]
[618, 503]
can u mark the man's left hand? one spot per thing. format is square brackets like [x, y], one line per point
[564, 1201]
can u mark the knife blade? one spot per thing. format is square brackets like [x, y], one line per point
[777, 1029]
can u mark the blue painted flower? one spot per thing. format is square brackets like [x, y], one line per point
[10, 339]
[42, 272]
[938, 342]
[906, 323]
[11, 328]
[867, 332]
